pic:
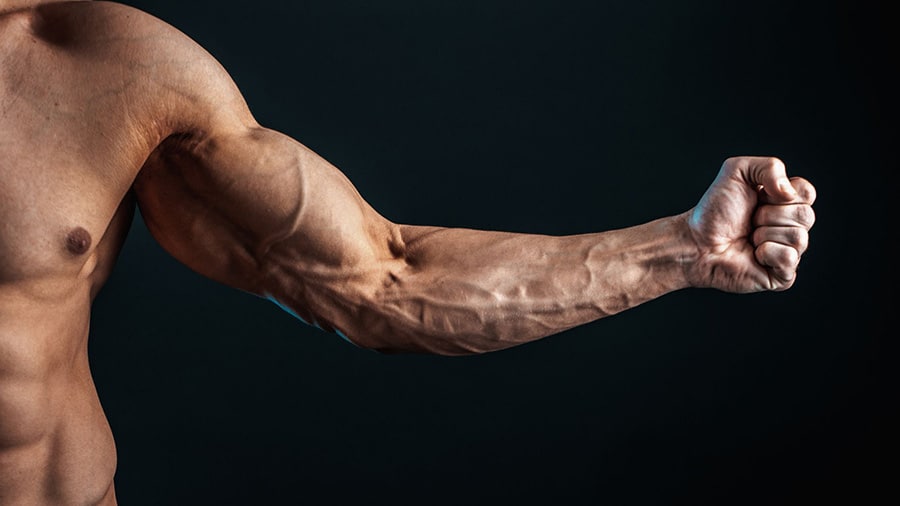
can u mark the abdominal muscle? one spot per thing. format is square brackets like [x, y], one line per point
[56, 446]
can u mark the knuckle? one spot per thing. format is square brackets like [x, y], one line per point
[732, 165]
[775, 163]
[806, 190]
[777, 255]
[792, 235]
[786, 257]
[810, 216]
[805, 215]
[799, 238]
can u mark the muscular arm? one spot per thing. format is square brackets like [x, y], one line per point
[259, 211]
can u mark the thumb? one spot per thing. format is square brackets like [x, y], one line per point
[771, 175]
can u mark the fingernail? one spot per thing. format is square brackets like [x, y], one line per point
[785, 186]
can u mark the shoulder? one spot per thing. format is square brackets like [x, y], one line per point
[163, 70]
[102, 30]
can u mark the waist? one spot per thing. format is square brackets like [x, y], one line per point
[54, 437]
[43, 357]
[55, 442]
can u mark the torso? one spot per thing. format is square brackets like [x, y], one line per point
[69, 154]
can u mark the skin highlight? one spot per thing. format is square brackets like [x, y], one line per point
[247, 206]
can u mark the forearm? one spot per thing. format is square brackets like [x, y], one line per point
[460, 291]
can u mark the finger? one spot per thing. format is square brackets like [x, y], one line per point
[794, 237]
[806, 193]
[788, 215]
[771, 174]
[780, 259]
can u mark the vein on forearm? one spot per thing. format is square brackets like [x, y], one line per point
[459, 291]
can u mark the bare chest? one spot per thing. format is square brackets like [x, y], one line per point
[58, 209]
[72, 139]
[61, 174]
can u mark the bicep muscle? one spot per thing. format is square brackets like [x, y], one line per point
[234, 206]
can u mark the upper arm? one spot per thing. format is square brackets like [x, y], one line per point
[239, 205]
[251, 207]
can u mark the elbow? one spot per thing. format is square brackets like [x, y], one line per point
[396, 312]
[385, 299]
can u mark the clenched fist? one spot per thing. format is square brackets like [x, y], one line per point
[751, 227]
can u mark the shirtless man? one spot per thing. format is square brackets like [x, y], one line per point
[104, 107]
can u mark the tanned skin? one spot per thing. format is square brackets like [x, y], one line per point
[104, 107]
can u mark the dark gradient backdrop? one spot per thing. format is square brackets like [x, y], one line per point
[551, 117]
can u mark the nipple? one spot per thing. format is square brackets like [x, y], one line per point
[78, 241]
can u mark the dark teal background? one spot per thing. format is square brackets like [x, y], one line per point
[551, 117]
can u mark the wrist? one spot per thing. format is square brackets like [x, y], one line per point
[681, 253]
[643, 262]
